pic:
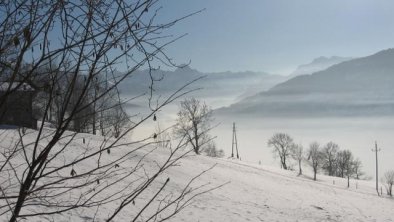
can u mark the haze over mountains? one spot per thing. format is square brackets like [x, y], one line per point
[237, 85]
[358, 87]
[223, 84]
[318, 64]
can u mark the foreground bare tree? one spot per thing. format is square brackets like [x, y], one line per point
[282, 145]
[52, 171]
[194, 119]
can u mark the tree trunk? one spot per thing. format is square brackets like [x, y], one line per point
[299, 166]
[94, 122]
[348, 181]
[197, 147]
[102, 124]
[94, 111]
[22, 196]
[284, 163]
[314, 174]
[330, 169]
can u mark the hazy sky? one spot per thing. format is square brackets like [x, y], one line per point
[277, 35]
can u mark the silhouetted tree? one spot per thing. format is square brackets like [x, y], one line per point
[341, 163]
[194, 119]
[212, 151]
[282, 145]
[348, 165]
[357, 168]
[119, 120]
[297, 152]
[315, 157]
[330, 151]
[388, 181]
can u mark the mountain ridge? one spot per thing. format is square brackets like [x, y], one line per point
[318, 64]
[218, 83]
[361, 86]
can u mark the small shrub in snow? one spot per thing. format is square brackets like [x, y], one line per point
[212, 151]
[388, 181]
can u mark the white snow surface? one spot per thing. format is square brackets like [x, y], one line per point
[252, 193]
[259, 193]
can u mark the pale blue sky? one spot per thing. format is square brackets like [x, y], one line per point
[277, 35]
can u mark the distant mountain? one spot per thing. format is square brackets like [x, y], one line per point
[318, 64]
[222, 84]
[358, 87]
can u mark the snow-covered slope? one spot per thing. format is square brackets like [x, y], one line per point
[252, 193]
[259, 193]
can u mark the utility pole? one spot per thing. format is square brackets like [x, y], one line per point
[234, 143]
[376, 150]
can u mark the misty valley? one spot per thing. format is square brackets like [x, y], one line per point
[186, 111]
[349, 101]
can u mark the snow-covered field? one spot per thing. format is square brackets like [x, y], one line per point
[258, 193]
[251, 193]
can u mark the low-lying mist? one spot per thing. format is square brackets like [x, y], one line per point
[357, 134]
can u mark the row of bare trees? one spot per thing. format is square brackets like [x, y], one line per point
[103, 111]
[329, 158]
[68, 51]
